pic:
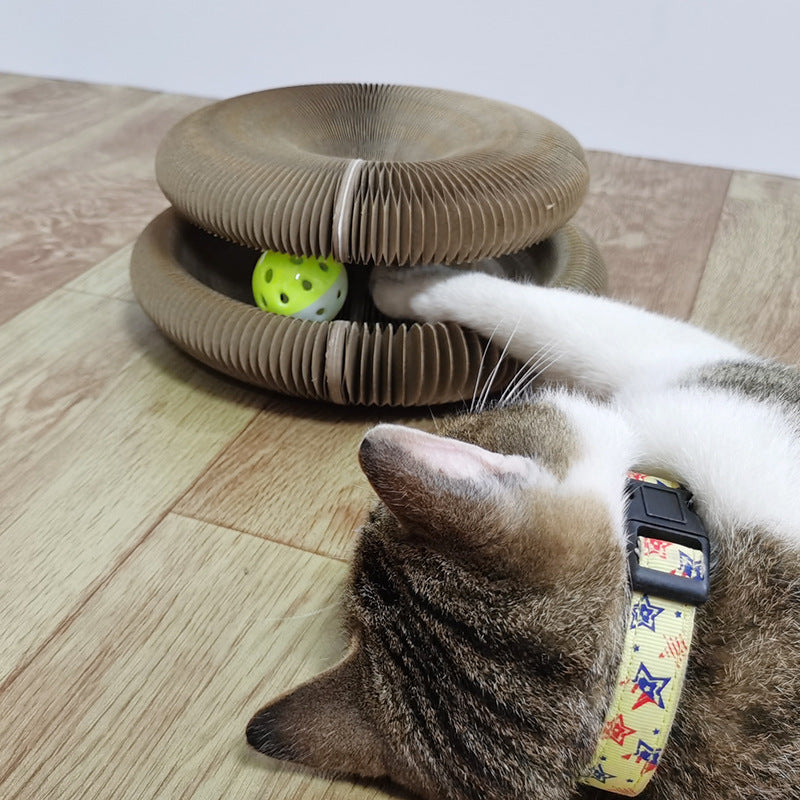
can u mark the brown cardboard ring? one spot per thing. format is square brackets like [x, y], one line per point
[345, 361]
[373, 174]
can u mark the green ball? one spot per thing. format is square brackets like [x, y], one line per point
[306, 287]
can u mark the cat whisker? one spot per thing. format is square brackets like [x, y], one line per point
[527, 372]
[544, 361]
[487, 387]
[480, 367]
[534, 373]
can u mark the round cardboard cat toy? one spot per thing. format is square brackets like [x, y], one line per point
[368, 175]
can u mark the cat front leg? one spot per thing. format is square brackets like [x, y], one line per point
[593, 342]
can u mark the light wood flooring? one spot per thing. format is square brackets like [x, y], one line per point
[172, 543]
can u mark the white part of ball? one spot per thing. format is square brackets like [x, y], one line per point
[328, 304]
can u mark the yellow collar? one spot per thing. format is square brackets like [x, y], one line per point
[668, 556]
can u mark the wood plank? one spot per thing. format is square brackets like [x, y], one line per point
[70, 204]
[38, 112]
[11, 81]
[293, 476]
[110, 278]
[654, 222]
[750, 291]
[146, 693]
[103, 426]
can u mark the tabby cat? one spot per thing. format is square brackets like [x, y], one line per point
[489, 595]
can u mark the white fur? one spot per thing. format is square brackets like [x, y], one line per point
[601, 344]
[607, 448]
[740, 457]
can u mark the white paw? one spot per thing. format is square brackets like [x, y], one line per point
[412, 292]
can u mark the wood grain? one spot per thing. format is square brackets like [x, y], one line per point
[293, 475]
[37, 112]
[109, 278]
[654, 222]
[85, 196]
[147, 692]
[12, 80]
[750, 291]
[104, 426]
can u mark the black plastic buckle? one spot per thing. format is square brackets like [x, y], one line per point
[660, 512]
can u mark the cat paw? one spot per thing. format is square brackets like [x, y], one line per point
[411, 292]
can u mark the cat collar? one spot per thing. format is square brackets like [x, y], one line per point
[668, 558]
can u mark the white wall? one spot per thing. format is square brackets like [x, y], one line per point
[703, 81]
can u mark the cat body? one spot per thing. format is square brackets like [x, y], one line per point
[489, 593]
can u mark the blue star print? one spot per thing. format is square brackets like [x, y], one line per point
[647, 753]
[650, 687]
[644, 614]
[599, 774]
[691, 568]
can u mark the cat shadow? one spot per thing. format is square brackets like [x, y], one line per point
[167, 358]
[249, 758]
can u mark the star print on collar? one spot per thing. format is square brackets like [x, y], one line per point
[690, 567]
[650, 687]
[644, 614]
[674, 647]
[617, 730]
[655, 547]
[599, 774]
[650, 755]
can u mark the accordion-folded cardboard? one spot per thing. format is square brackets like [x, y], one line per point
[374, 175]
[195, 287]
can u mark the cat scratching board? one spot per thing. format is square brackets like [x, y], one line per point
[384, 175]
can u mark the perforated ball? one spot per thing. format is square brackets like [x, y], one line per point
[299, 286]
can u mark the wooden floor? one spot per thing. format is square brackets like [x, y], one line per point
[172, 544]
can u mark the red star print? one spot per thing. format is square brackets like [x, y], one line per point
[617, 730]
[676, 648]
[656, 547]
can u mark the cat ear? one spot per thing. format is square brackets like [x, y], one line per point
[319, 724]
[438, 483]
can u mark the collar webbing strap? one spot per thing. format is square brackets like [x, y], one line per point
[658, 635]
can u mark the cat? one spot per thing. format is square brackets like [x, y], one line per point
[489, 594]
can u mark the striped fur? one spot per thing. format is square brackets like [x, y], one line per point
[450, 647]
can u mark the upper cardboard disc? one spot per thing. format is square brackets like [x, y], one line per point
[373, 174]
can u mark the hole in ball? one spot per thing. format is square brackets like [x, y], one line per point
[284, 297]
[268, 276]
[307, 285]
[320, 311]
[323, 266]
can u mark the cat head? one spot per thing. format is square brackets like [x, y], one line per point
[484, 608]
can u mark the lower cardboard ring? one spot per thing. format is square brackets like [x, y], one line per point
[196, 289]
